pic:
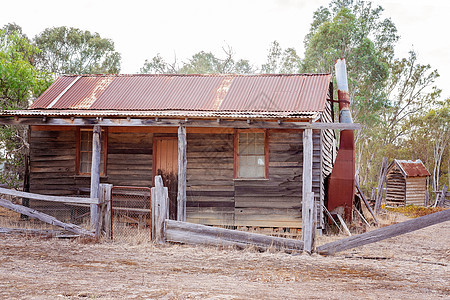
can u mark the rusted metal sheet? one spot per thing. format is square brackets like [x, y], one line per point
[221, 93]
[413, 168]
[341, 188]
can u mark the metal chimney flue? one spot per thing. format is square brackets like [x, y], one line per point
[341, 185]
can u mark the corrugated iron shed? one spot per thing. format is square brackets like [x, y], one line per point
[269, 96]
[412, 168]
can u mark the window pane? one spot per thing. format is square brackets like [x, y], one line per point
[86, 151]
[251, 154]
[85, 167]
[243, 141]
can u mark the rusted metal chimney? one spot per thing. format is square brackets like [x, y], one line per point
[341, 185]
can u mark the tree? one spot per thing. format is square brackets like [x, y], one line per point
[200, 63]
[68, 50]
[19, 82]
[356, 31]
[157, 65]
[385, 92]
[429, 139]
[281, 61]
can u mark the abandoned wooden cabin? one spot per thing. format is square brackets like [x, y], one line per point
[242, 137]
[406, 183]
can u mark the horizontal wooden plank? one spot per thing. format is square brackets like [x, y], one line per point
[191, 203]
[49, 198]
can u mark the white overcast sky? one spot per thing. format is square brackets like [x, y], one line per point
[142, 29]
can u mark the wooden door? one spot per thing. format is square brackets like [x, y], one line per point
[165, 163]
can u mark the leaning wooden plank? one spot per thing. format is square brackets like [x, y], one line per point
[384, 233]
[381, 180]
[366, 202]
[46, 232]
[220, 235]
[45, 218]
[344, 226]
[63, 199]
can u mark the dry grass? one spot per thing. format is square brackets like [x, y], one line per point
[400, 268]
[413, 211]
[414, 265]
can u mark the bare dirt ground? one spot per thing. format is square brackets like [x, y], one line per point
[412, 266]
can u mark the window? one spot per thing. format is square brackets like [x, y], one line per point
[84, 152]
[251, 154]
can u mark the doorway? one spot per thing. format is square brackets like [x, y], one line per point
[165, 163]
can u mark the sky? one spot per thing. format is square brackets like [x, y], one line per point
[180, 28]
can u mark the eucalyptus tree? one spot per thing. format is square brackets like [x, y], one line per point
[201, 62]
[20, 82]
[285, 61]
[68, 50]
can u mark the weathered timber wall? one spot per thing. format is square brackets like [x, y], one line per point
[129, 160]
[214, 197]
[52, 168]
[395, 187]
[328, 155]
[275, 202]
[209, 179]
[415, 190]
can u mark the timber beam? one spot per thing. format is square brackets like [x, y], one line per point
[175, 122]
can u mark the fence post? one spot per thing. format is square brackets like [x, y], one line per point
[99, 212]
[309, 222]
[160, 209]
[105, 194]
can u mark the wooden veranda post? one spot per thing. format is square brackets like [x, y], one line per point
[95, 172]
[182, 164]
[160, 209]
[308, 211]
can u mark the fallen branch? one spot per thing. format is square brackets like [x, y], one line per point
[384, 233]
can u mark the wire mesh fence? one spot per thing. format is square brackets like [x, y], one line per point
[74, 213]
[131, 214]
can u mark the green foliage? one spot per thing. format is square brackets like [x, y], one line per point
[429, 140]
[200, 63]
[356, 31]
[19, 81]
[67, 50]
[281, 61]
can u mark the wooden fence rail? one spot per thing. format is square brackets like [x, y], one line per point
[45, 218]
[102, 220]
[384, 233]
[197, 234]
[62, 199]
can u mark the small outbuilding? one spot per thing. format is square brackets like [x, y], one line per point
[406, 182]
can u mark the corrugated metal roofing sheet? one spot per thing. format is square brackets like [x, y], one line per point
[413, 168]
[215, 93]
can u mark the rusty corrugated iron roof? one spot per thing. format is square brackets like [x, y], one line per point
[305, 94]
[412, 168]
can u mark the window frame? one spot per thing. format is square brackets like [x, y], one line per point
[78, 150]
[236, 153]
